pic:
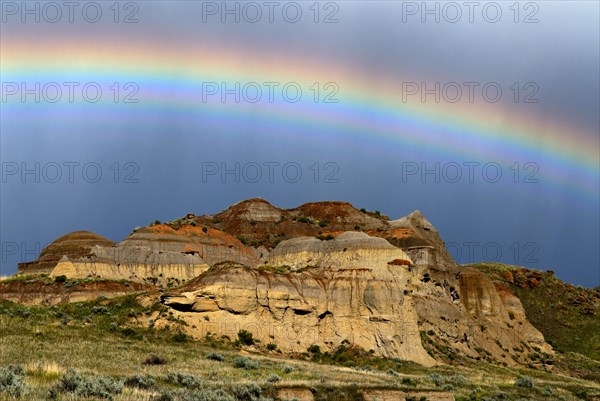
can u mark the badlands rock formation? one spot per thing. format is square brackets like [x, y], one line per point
[323, 273]
[382, 294]
[348, 291]
[350, 250]
[77, 245]
[261, 224]
[158, 254]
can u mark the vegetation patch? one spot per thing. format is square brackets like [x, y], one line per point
[142, 382]
[183, 379]
[245, 337]
[245, 363]
[89, 386]
[329, 393]
[12, 381]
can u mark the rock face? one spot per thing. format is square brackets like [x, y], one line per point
[262, 224]
[157, 254]
[323, 273]
[341, 215]
[321, 306]
[164, 274]
[350, 250]
[251, 210]
[364, 290]
[347, 291]
[422, 242]
[77, 244]
[211, 246]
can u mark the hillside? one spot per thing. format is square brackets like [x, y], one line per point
[568, 316]
[338, 293]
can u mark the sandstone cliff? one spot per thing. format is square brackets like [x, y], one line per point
[323, 273]
[77, 244]
[347, 291]
[159, 254]
[358, 288]
[348, 250]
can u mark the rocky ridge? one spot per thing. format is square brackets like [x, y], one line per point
[323, 273]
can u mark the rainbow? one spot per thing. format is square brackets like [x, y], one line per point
[370, 110]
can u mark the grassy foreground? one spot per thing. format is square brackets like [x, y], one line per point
[115, 358]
